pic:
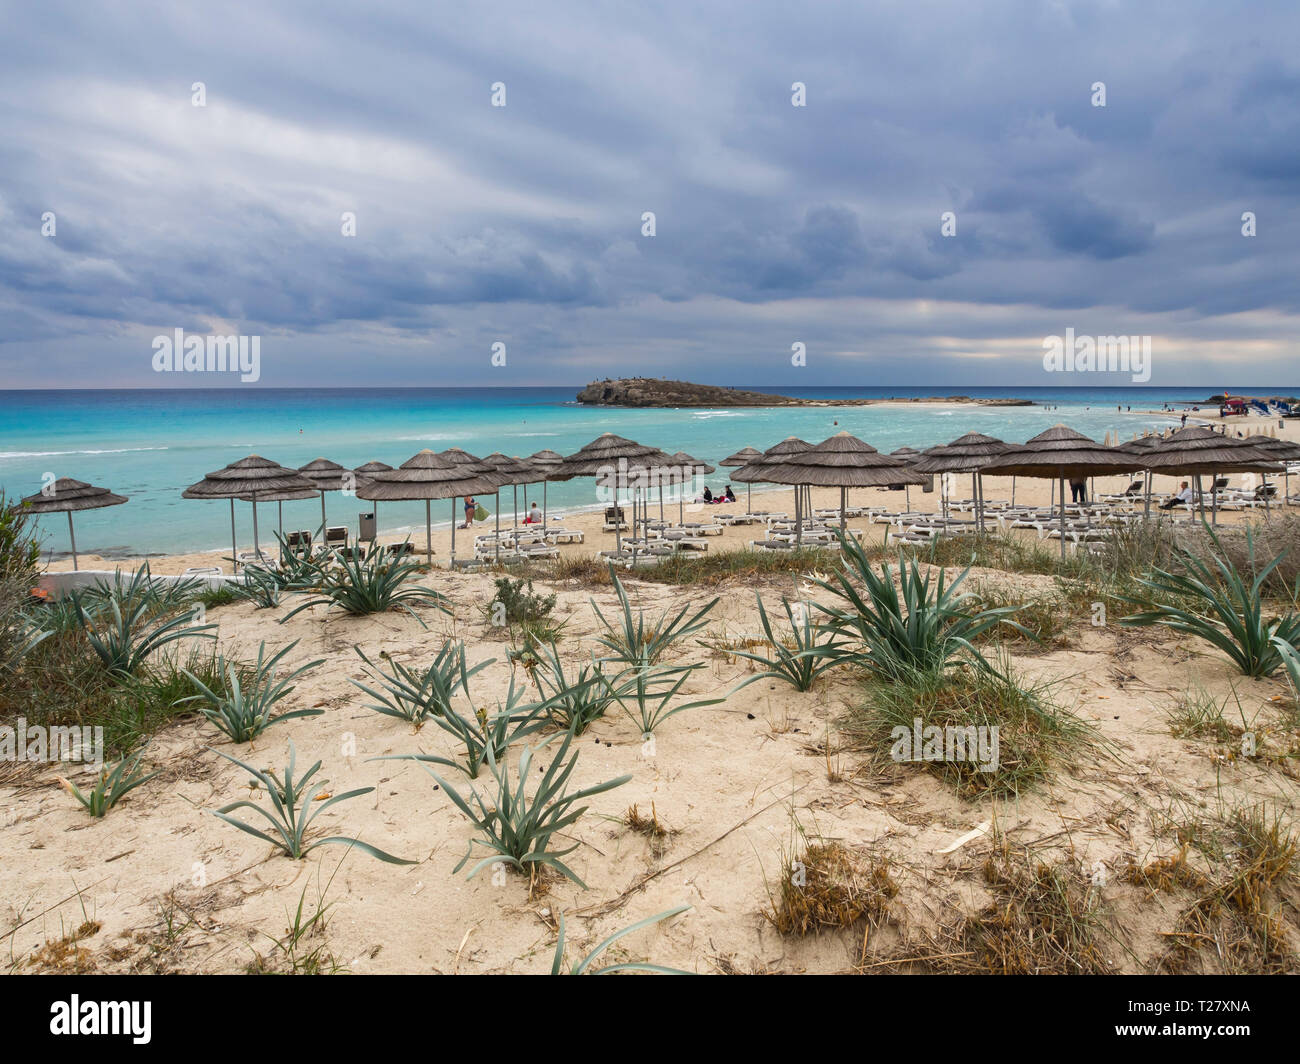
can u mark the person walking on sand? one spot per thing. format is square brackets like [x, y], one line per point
[470, 506]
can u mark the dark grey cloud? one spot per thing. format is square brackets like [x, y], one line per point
[523, 223]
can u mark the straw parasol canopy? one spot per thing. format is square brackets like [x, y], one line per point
[327, 476]
[544, 463]
[751, 472]
[843, 461]
[1060, 453]
[512, 472]
[907, 454]
[253, 478]
[742, 457]
[68, 496]
[427, 476]
[966, 454]
[371, 468]
[604, 457]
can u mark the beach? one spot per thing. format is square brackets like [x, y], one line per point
[732, 791]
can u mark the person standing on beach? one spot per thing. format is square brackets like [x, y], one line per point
[470, 506]
[1078, 491]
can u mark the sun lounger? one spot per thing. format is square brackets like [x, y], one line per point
[615, 519]
[565, 535]
[400, 550]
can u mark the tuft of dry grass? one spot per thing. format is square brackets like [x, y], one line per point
[828, 886]
[1043, 919]
[1165, 874]
[1236, 926]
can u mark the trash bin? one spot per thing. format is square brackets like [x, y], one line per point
[366, 528]
[928, 487]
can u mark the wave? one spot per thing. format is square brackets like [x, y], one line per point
[704, 415]
[56, 454]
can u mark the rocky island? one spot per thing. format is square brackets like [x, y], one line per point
[650, 391]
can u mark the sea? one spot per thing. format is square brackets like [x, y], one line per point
[151, 444]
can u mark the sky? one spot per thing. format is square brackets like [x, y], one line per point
[127, 211]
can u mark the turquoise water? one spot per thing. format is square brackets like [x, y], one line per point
[151, 445]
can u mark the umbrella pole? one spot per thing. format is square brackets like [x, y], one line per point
[234, 551]
[280, 505]
[516, 491]
[257, 545]
[1266, 511]
[1214, 498]
[452, 562]
[323, 523]
[618, 522]
[428, 530]
[544, 486]
[1013, 491]
[496, 505]
[1200, 494]
[1062, 518]
[1146, 506]
[73, 537]
[798, 517]
[843, 497]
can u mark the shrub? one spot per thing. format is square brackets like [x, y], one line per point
[294, 805]
[112, 785]
[241, 709]
[1229, 611]
[914, 627]
[799, 658]
[414, 696]
[361, 584]
[518, 829]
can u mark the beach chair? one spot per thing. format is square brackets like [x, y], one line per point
[336, 536]
[299, 541]
[401, 550]
[615, 519]
[565, 535]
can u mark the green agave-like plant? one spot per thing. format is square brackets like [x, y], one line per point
[517, 828]
[918, 626]
[112, 785]
[295, 803]
[801, 664]
[1231, 615]
[242, 711]
[364, 583]
[572, 703]
[633, 641]
[483, 734]
[581, 967]
[647, 693]
[1291, 660]
[415, 695]
[123, 631]
[260, 586]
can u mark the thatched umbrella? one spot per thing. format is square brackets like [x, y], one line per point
[512, 472]
[1140, 448]
[543, 464]
[966, 454]
[66, 495]
[253, 478]
[752, 472]
[426, 476]
[361, 473]
[842, 461]
[1283, 451]
[609, 457]
[741, 458]
[470, 464]
[326, 476]
[1060, 453]
[1197, 450]
[682, 469]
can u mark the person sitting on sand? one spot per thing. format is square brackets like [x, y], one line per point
[1183, 496]
[534, 516]
[708, 495]
[728, 495]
